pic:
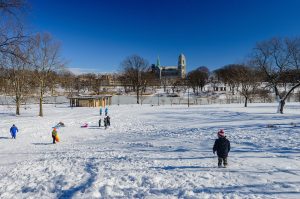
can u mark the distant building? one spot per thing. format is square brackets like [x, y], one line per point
[90, 101]
[109, 80]
[171, 72]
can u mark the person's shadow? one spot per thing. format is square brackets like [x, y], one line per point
[47, 143]
[4, 138]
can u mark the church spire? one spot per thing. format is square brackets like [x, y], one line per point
[158, 62]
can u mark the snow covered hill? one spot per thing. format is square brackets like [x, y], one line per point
[151, 152]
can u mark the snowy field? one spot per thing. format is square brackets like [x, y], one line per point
[151, 152]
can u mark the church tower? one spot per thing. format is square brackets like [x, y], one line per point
[158, 62]
[181, 66]
[158, 67]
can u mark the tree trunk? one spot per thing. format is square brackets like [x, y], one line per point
[41, 99]
[18, 98]
[52, 90]
[41, 106]
[138, 95]
[280, 106]
[18, 105]
[246, 101]
[142, 97]
[282, 100]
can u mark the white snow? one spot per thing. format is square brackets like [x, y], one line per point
[151, 152]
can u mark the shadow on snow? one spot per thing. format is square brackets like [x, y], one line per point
[91, 169]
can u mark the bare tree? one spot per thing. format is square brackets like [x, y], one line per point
[226, 74]
[248, 80]
[123, 79]
[11, 30]
[197, 79]
[18, 75]
[52, 82]
[89, 81]
[9, 6]
[275, 58]
[11, 40]
[147, 81]
[67, 81]
[135, 69]
[164, 82]
[45, 59]
[97, 85]
[176, 84]
[3, 81]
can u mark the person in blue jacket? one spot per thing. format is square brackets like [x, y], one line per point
[13, 131]
[106, 111]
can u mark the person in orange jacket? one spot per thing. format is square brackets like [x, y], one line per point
[54, 134]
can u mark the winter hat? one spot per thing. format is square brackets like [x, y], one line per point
[221, 133]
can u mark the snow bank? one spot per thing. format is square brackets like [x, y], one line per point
[151, 152]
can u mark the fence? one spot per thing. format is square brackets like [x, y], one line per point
[157, 100]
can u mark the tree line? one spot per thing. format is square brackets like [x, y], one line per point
[271, 65]
[31, 66]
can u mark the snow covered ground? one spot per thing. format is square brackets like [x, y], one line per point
[151, 152]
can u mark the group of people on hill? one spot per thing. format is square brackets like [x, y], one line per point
[106, 120]
[221, 145]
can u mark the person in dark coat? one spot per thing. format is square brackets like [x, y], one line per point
[13, 131]
[105, 122]
[222, 147]
[108, 120]
[99, 122]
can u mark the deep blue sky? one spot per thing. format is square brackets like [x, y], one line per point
[97, 35]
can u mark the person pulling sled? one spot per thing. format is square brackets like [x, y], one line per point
[55, 136]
